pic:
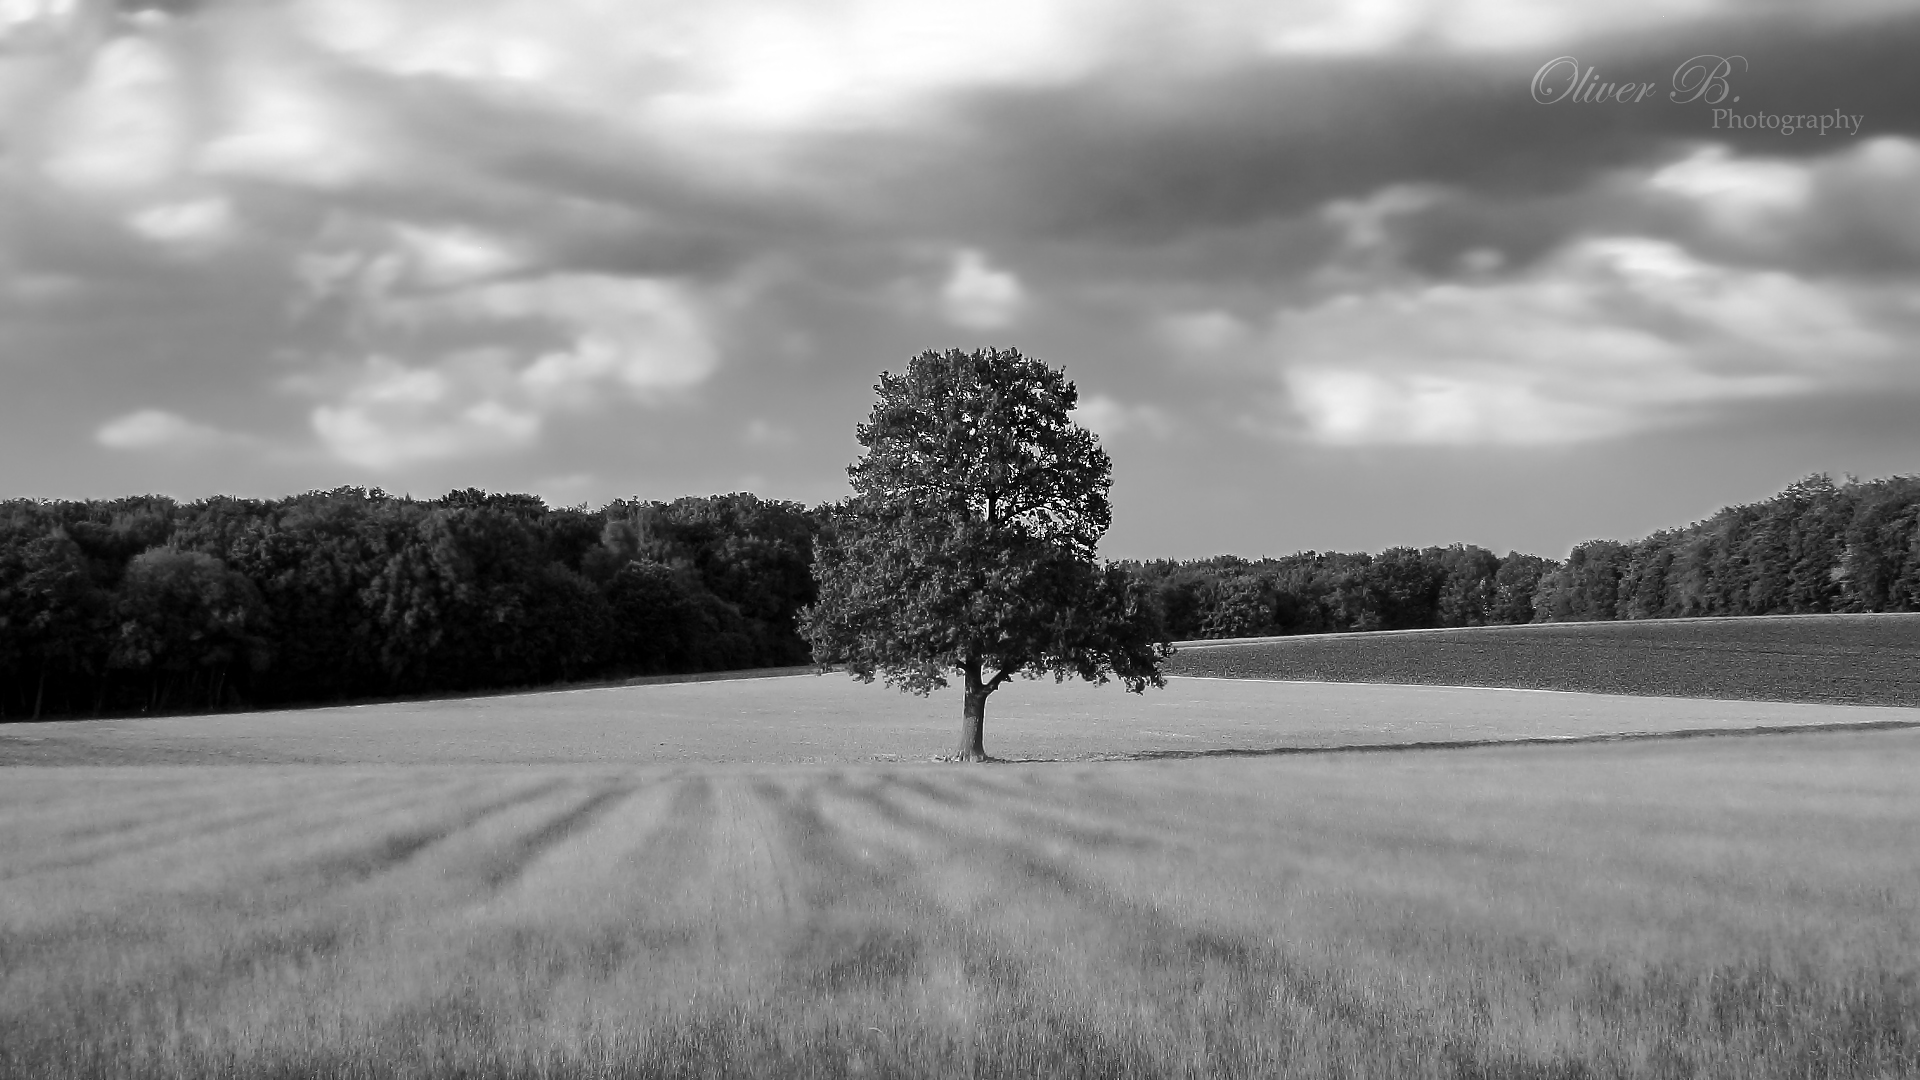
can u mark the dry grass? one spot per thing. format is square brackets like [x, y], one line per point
[1841, 659]
[1740, 908]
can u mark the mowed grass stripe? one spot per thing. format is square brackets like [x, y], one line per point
[245, 970]
[206, 833]
[1446, 965]
[1195, 976]
[145, 812]
[571, 939]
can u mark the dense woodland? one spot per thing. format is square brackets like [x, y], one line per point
[145, 604]
[1816, 547]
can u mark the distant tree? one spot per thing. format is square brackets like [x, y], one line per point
[752, 557]
[1399, 590]
[186, 620]
[1469, 590]
[968, 544]
[1240, 606]
[1586, 586]
[656, 618]
[1880, 569]
[51, 616]
[1514, 585]
[1178, 599]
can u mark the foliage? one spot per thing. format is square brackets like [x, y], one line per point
[1816, 547]
[355, 593]
[968, 543]
[146, 604]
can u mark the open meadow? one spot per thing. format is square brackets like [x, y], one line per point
[536, 886]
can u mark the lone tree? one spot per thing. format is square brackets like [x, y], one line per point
[968, 543]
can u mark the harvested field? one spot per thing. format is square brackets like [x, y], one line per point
[1741, 908]
[1846, 659]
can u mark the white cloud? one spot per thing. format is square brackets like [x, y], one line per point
[1111, 419]
[1364, 222]
[126, 126]
[289, 126]
[1359, 27]
[1611, 336]
[454, 255]
[640, 338]
[1869, 190]
[735, 64]
[1200, 333]
[763, 433]
[25, 24]
[979, 295]
[157, 429]
[1737, 193]
[392, 414]
[195, 224]
[640, 335]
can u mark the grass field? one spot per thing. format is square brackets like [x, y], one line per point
[1740, 907]
[1848, 659]
[650, 881]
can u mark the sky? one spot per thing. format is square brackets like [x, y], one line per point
[1332, 276]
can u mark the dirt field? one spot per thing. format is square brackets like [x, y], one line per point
[1735, 907]
[832, 718]
[1846, 659]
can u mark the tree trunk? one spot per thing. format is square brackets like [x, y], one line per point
[40, 691]
[973, 717]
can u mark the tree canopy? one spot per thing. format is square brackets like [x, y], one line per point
[144, 604]
[968, 544]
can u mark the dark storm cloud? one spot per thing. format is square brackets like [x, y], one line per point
[1112, 159]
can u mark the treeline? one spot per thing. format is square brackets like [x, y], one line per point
[144, 604]
[1816, 547]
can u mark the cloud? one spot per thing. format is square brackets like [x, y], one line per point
[195, 224]
[979, 295]
[512, 230]
[728, 65]
[393, 414]
[1737, 194]
[125, 126]
[157, 429]
[504, 354]
[1242, 139]
[1855, 209]
[22, 20]
[456, 255]
[644, 336]
[292, 127]
[1611, 336]
[763, 433]
[1112, 419]
[1201, 333]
